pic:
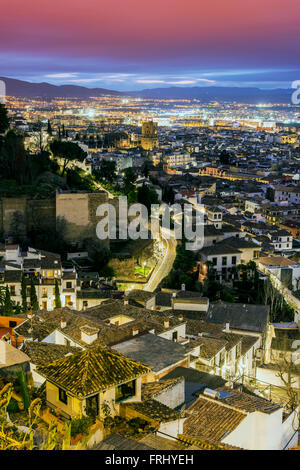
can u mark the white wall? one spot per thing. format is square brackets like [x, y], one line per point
[172, 428]
[262, 431]
[173, 396]
[169, 333]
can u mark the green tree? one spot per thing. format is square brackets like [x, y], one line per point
[4, 119]
[107, 171]
[107, 272]
[24, 294]
[33, 297]
[68, 152]
[57, 295]
[147, 196]
[146, 168]
[129, 180]
[13, 157]
[8, 305]
[2, 295]
[49, 128]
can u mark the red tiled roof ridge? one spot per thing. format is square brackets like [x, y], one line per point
[218, 402]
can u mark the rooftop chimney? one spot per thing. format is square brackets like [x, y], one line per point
[227, 326]
[63, 323]
[135, 331]
[89, 334]
[180, 317]
[166, 323]
[2, 352]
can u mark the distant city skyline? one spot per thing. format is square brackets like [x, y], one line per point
[129, 45]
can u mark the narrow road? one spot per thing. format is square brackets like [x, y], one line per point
[165, 265]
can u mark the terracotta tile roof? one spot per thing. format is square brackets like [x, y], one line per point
[44, 323]
[209, 347]
[247, 343]
[13, 356]
[211, 419]
[281, 261]
[91, 371]
[118, 442]
[140, 295]
[162, 443]
[212, 331]
[207, 444]
[113, 307]
[45, 353]
[152, 389]
[249, 403]
[154, 410]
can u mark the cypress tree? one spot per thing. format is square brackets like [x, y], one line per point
[8, 306]
[24, 294]
[4, 119]
[33, 297]
[57, 295]
[49, 128]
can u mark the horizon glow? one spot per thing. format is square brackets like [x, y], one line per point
[129, 45]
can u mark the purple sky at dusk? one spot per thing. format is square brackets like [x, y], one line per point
[133, 44]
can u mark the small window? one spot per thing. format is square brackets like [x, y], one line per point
[125, 391]
[224, 260]
[214, 261]
[175, 336]
[62, 396]
[234, 260]
[12, 290]
[69, 285]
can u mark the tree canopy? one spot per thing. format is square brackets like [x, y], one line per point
[4, 119]
[107, 171]
[68, 151]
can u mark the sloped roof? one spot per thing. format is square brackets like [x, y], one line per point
[154, 410]
[152, 389]
[249, 403]
[162, 443]
[118, 442]
[211, 419]
[13, 355]
[281, 261]
[157, 352]
[209, 347]
[91, 371]
[249, 317]
[45, 353]
[219, 249]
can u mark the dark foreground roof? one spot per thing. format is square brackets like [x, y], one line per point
[118, 442]
[241, 316]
